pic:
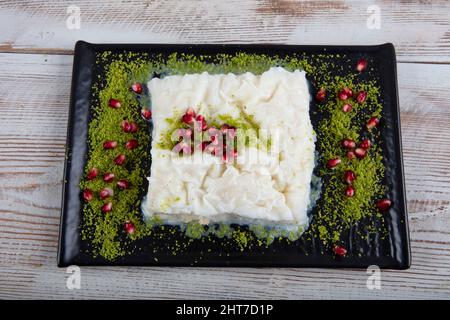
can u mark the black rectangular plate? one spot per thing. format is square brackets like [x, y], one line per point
[393, 253]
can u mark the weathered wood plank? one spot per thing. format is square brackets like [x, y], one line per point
[420, 30]
[34, 108]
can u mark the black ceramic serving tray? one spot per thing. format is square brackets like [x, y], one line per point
[392, 251]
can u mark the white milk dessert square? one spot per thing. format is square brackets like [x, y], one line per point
[273, 189]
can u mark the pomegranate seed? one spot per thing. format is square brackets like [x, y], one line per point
[360, 153]
[120, 159]
[87, 195]
[110, 144]
[321, 95]
[146, 114]
[372, 123]
[340, 251]
[189, 116]
[351, 155]
[126, 126]
[332, 163]
[92, 174]
[123, 184]
[108, 177]
[105, 193]
[384, 204]
[345, 94]
[114, 103]
[133, 127]
[365, 144]
[136, 87]
[200, 123]
[107, 207]
[348, 143]
[131, 144]
[361, 65]
[129, 227]
[350, 191]
[224, 128]
[349, 176]
[347, 107]
[361, 97]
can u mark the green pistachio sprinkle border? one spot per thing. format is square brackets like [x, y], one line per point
[334, 215]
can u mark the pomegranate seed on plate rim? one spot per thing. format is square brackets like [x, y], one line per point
[106, 193]
[383, 204]
[136, 87]
[339, 251]
[108, 177]
[361, 65]
[114, 103]
[107, 207]
[123, 184]
[321, 95]
[347, 107]
[109, 144]
[88, 195]
[332, 163]
[92, 174]
[146, 114]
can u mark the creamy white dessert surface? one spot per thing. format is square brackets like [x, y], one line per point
[274, 189]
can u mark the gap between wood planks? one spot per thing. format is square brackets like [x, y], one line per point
[67, 52]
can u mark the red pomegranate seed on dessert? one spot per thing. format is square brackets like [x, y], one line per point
[351, 155]
[189, 116]
[110, 144]
[136, 87]
[348, 143]
[365, 144]
[108, 177]
[372, 123]
[349, 176]
[347, 107]
[131, 144]
[361, 97]
[200, 123]
[114, 103]
[107, 207]
[321, 95]
[332, 163]
[360, 153]
[361, 65]
[129, 227]
[339, 251]
[87, 195]
[350, 191]
[146, 114]
[224, 128]
[120, 159]
[123, 184]
[92, 174]
[384, 204]
[106, 193]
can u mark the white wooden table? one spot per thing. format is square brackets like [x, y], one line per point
[35, 73]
